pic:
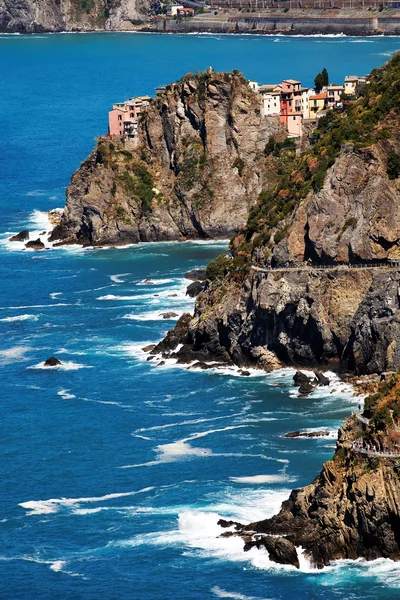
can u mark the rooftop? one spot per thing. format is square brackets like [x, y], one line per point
[320, 96]
[294, 81]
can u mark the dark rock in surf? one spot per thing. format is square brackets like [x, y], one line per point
[52, 362]
[22, 236]
[35, 244]
[196, 275]
[321, 379]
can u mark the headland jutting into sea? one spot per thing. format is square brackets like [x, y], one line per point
[312, 276]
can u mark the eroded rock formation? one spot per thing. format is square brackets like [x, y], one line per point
[352, 509]
[197, 169]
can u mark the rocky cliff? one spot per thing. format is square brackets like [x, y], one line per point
[310, 279]
[198, 167]
[352, 509]
[27, 16]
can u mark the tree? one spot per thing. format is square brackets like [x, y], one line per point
[321, 80]
[325, 76]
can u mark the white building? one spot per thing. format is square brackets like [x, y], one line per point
[305, 101]
[270, 95]
[173, 9]
[253, 84]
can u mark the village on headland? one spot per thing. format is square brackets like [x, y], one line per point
[293, 104]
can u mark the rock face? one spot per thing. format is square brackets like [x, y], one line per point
[28, 16]
[300, 284]
[352, 509]
[196, 170]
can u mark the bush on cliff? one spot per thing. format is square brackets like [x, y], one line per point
[139, 184]
[218, 268]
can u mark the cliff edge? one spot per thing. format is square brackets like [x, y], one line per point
[197, 167]
[352, 509]
[313, 278]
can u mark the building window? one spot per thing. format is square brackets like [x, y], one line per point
[119, 117]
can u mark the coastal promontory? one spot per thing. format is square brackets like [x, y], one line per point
[352, 509]
[196, 167]
[313, 278]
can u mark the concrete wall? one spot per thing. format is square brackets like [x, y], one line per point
[299, 26]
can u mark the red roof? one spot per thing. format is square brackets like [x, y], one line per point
[320, 96]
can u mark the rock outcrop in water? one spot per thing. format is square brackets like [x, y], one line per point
[197, 169]
[352, 509]
[299, 283]
[28, 16]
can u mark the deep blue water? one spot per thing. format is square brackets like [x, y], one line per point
[113, 471]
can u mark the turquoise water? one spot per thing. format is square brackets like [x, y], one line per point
[114, 471]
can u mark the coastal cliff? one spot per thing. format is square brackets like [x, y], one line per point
[26, 16]
[197, 168]
[311, 278]
[352, 509]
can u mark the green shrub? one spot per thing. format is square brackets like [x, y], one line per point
[218, 268]
[239, 165]
[393, 165]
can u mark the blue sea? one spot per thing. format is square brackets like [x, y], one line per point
[114, 471]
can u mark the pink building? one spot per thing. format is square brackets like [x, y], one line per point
[123, 118]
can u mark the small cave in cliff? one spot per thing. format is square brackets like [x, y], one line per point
[310, 254]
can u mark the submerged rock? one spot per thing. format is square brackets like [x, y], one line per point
[22, 236]
[306, 434]
[168, 315]
[149, 348]
[52, 362]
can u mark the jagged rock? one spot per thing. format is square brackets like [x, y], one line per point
[196, 275]
[168, 315]
[280, 550]
[266, 359]
[321, 379]
[195, 288]
[149, 348]
[306, 434]
[176, 336]
[245, 373]
[200, 365]
[22, 236]
[305, 389]
[52, 362]
[300, 378]
[26, 16]
[190, 142]
[35, 244]
[148, 281]
[161, 363]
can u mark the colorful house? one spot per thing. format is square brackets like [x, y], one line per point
[352, 84]
[123, 118]
[318, 103]
[334, 94]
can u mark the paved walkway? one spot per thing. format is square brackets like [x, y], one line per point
[357, 446]
[306, 267]
[359, 416]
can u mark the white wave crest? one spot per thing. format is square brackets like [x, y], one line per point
[264, 479]
[46, 507]
[17, 353]
[68, 365]
[19, 318]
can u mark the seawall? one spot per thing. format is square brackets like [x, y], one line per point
[281, 24]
